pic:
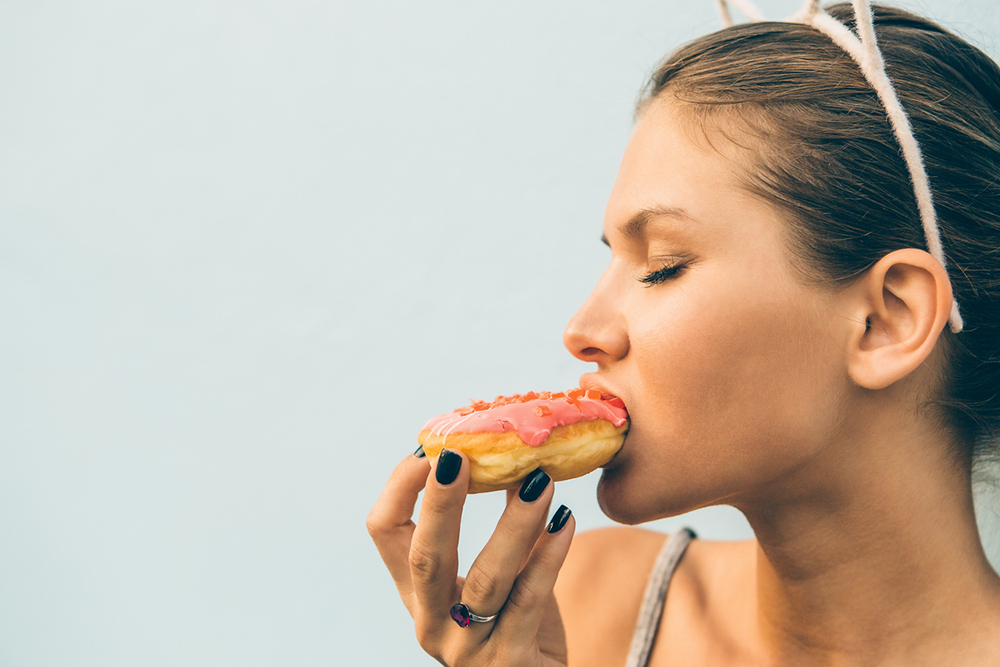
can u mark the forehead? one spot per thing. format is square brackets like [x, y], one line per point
[671, 161]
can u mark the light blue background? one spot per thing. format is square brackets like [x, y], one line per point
[246, 249]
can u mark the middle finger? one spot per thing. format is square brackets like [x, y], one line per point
[491, 576]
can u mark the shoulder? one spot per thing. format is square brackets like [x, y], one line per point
[601, 585]
[600, 588]
[597, 553]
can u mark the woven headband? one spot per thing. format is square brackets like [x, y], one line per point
[863, 48]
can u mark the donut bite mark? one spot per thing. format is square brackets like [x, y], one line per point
[566, 434]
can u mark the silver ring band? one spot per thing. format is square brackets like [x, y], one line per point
[462, 615]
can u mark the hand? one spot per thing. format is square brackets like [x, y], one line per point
[512, 577]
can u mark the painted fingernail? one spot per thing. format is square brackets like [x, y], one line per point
[533, 486]
[558, 519]
[448, 466]
[420, 452]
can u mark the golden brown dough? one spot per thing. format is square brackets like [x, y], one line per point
[501, 460]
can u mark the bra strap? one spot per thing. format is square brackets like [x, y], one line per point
[655, 597]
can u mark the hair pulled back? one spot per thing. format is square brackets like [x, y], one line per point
[815, 141]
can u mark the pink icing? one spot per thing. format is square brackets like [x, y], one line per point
[533, 420]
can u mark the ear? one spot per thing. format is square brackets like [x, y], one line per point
[902, 305]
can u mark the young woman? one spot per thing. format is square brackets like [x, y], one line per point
[779, 317]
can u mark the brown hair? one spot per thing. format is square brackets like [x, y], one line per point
[816, 143]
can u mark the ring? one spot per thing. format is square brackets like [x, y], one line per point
[461, 615]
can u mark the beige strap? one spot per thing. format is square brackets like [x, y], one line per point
[655, 597]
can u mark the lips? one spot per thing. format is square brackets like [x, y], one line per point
[593, 381]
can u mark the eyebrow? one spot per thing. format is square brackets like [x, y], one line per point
[635, 227]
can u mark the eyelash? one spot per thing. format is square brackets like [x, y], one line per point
[661, 275]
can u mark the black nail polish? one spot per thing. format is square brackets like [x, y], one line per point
[420, 452]
[533, 486]
[448, 466]
[558, 519]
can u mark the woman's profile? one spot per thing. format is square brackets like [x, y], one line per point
[801, 315]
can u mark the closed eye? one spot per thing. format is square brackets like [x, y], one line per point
[662, 275]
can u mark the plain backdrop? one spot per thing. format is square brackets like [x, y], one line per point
[246, 249]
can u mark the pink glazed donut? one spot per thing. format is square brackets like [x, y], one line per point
[566, 434]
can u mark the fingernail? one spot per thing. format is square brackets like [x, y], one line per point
[533, 486]
[420, 452]
[448, 465]
[558, 519]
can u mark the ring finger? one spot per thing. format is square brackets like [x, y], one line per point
[492, 575]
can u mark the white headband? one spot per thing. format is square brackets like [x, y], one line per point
[866, 53]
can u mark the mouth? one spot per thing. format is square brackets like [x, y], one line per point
[593, 381]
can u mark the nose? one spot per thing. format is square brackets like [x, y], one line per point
[597, 332]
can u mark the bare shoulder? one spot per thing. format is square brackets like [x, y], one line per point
[609, 555]
[601, 586]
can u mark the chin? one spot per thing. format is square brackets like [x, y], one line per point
[625, 497]
[616, 502]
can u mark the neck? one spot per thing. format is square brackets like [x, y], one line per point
[870, 554]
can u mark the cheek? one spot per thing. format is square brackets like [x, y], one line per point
[728, 395]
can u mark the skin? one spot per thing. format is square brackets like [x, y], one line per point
[804, 407]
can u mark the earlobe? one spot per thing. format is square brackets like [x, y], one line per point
[902, 305]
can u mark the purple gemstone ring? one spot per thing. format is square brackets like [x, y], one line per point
[461, 615]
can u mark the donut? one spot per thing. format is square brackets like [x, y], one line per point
[566, 434]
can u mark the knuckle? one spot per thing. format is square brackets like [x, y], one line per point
[374, 524]
[522, 596]
[424, 562]
[484, 586]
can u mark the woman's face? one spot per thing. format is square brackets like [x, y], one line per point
[732, 370]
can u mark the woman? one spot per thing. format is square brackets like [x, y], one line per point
[779, 319]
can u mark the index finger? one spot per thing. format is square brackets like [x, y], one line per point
[434, 549]
[390, 522]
